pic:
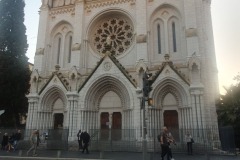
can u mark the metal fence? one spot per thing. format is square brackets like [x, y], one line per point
[212, 140]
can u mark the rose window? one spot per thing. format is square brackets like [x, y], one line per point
[115, 32]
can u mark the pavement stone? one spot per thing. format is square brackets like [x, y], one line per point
[77, 155]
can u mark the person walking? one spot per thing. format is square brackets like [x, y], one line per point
[171, 141]
[5, 139]
[34, 143]
[189, 140]
[10, 145]
[79, 135]
[164, 143]
[86, 140]
[17, 137]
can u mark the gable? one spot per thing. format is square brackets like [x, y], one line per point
[109, 65]
[54, 81]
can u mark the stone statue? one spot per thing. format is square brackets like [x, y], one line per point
[109, 41]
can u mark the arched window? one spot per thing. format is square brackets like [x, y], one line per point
[69, 49]
[159, 39]
[174, 37]
[58, 50]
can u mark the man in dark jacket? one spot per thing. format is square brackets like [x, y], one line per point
[79, 135]
[86, 139]
[17, 138]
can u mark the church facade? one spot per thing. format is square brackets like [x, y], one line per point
[79, 83]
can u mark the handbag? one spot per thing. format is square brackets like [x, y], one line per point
[192, 141]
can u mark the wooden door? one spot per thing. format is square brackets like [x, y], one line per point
[171, 122]
[58, 121]
[116, 126]
[104, 126]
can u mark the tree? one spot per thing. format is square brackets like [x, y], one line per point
[14, 70]
[229, 108]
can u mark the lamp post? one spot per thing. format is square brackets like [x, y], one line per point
[146, 90]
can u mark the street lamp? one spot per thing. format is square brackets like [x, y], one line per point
[146, 90]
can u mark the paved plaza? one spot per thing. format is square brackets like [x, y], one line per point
[75, 155]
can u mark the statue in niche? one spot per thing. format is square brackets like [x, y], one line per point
[108, 41]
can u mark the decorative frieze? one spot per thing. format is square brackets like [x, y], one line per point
[62, 10]
[101, 3]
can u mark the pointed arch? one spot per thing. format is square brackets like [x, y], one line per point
[51, 96]
[169, 86]
[101, 87]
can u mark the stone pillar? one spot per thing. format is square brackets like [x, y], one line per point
[32, 114]
[141, 30]
[71, 118]
[39, 62]
[78, 46]
[197, 107]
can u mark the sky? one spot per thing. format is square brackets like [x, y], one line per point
[226, 30]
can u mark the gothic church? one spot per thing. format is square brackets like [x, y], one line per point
[78, 83]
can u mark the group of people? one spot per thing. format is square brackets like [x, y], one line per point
[166, 140]
[83, 141]
[9, 143]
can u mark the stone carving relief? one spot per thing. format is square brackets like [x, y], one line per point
[191, 32]
[141, 38]
[107, 66]
[76, 47]
[40, 51]
[57, 3]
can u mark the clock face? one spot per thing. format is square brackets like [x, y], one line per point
[116, 32]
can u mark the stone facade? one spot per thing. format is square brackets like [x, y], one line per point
[77, 83]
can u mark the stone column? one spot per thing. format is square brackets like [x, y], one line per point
[32, 113]
[39, 62]
[197, 107]
[71, 118]
[141, 30]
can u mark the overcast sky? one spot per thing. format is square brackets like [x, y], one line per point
[226, 28]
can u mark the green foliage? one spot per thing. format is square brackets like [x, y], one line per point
[229, 107]
[14, 70]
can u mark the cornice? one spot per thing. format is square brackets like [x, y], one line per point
[101, 3]
[62, 10]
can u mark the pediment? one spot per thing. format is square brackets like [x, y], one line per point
[168, 71]
[109, 65]
[55, 80]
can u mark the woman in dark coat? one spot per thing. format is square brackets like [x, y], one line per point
[4, 141]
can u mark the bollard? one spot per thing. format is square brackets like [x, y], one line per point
[101, 155]
[58, 154]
